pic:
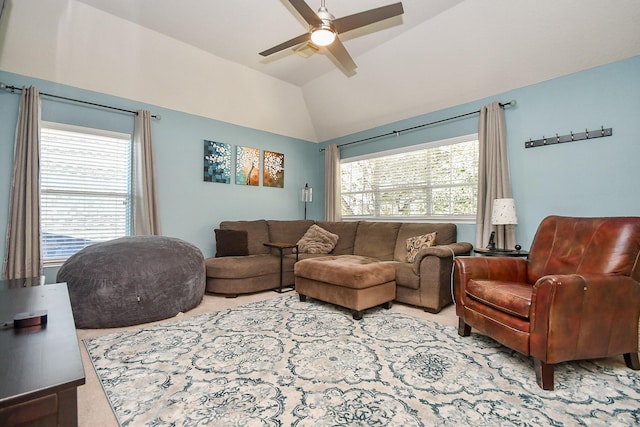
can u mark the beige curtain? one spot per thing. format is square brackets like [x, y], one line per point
[23, 258]
[145, 193]
[332, 200]
[494, 181]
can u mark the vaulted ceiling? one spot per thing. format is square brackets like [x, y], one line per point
[438, 54]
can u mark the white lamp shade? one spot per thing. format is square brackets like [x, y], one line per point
[307, 194]
[504, 212]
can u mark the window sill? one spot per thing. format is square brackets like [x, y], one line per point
[53, 263]
[456, 220]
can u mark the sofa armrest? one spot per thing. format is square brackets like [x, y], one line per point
[442, 251]
[583, 316]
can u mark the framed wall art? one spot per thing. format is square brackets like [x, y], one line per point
[273, 169]
[247, 166]
[217, 162]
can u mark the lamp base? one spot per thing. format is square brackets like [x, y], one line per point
[492, 244]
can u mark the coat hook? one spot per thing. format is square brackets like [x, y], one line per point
[602, 130]
[544, 140]
[572, 135]
[557, 138]
[586, 132]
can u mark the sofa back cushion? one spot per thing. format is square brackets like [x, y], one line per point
[288, 231]
[346, 231]
[257, 234]
[446, 233]
[376, 239]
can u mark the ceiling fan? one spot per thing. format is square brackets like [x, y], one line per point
[324, 29]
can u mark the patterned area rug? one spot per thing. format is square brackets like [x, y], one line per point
[282, 362]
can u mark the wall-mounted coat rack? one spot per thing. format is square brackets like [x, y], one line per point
[587, 134]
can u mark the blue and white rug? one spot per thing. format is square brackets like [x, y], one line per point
[282, 362]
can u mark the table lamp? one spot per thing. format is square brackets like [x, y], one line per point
[503, 213]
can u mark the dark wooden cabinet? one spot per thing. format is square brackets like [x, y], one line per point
[40, 366]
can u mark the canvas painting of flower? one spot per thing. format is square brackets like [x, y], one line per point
[247, 166]
[217, 162]
[273, 169]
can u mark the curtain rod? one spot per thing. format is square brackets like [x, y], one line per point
[398, 132]
[12, 89]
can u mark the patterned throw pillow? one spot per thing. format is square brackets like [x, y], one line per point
[415, 244]
[317, 240]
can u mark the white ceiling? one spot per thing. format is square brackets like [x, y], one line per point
[238, 30]
[438, 54]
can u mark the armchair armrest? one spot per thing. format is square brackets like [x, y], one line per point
[584, 316]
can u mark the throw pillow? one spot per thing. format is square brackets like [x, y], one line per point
[415, 244]
[231, 243]
[317, 240]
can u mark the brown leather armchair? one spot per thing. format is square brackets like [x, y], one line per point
[577, 296]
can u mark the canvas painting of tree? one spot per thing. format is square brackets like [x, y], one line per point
[273, 169]
[217, 162]
[247, 166]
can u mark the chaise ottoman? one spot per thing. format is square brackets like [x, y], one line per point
[350, 281]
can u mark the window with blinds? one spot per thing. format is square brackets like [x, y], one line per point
[433, 181]
[85, 188]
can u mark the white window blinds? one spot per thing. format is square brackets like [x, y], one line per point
[431, 181]
[85, 188]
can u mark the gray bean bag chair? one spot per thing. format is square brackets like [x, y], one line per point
[133, 280]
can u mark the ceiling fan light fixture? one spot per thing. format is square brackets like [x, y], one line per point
[323, 35]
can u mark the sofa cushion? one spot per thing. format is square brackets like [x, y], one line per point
[288, 231]
[346, 230]
[317, 240]
[417, 243]
[231, 242]
[257, 234]
[376, 240]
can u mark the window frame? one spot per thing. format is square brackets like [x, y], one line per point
[98, 133]
[461, 219]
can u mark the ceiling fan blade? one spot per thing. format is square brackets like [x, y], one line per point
[357, 20]
[306, 12]
[339, 52]
[289, 43]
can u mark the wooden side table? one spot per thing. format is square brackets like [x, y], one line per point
[501, 252]
[281, 246]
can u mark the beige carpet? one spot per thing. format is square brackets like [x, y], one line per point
[94, 409]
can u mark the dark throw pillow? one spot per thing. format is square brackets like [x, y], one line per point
[231, 243]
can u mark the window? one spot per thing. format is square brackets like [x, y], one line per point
[433, 181]
[85, 188]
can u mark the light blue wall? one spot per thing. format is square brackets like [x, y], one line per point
[583, 178]
[189, 207]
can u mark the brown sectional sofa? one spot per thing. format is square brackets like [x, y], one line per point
[424, 283]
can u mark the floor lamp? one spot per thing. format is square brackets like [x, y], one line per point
[306, 197]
